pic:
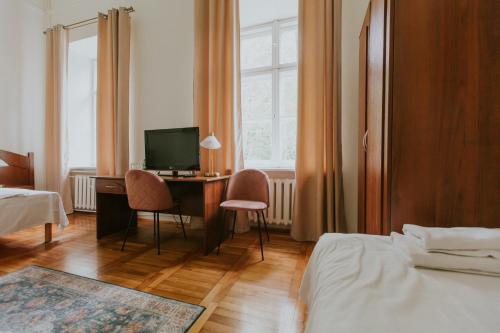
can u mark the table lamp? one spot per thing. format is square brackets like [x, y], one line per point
[211, 143]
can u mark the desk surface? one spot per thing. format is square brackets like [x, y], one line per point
[197, 179]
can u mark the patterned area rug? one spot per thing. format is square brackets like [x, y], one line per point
[36, 299]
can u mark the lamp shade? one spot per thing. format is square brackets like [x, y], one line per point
[210, 142]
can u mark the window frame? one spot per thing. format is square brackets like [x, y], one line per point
[274, 70]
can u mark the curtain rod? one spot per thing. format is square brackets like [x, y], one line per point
[90, 21]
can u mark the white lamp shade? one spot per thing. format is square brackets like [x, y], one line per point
[210, 142]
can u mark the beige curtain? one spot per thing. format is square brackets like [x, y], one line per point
[56, 135]
[216, 80]
[319, 205]
[113, 68]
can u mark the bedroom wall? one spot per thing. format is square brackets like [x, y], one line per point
[353, 13]
[162, 59]
[21, 79]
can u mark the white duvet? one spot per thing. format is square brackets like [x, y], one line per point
[359, 283]
[21, 209]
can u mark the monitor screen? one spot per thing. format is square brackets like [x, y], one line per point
[173, 149]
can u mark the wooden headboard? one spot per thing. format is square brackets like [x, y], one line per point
[20, 170]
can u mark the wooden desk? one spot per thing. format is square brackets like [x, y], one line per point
[198, 196]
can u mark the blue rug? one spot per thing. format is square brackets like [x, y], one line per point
[36, 299]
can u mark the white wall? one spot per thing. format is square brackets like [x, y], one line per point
[21, 79]
[353, 12]
[161, 64]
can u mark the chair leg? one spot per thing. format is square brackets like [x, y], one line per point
[260, 238]
[154, 227]
[234, 223]
[265, 225]
[128, 228]
[182, 222]
[221, 233]
[157, 216]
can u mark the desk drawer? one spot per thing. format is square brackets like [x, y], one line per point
[110, 186]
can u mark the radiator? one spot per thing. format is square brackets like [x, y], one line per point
[84, 194]
[280, 210]
[281, 195]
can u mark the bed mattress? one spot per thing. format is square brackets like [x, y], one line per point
[359, 283]
[21, 209]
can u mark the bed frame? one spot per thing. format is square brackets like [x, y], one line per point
[20, 173]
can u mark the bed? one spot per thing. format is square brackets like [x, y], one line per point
[359, 283]
[21, 206]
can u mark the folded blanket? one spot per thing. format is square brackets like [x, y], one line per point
[470, 253]
[454, 238]
[410, 250]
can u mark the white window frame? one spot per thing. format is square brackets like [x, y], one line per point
[275, 69]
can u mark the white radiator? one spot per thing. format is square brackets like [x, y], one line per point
[281, 194]
[84, 195]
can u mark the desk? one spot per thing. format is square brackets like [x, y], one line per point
[198, 196]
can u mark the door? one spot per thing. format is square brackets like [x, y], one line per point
[446, 114]
[375, 109]
[363, 129]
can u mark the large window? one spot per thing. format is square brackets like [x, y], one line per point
[269, 93]
[82, 90]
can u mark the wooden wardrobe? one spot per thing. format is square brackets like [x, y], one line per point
[429, 107]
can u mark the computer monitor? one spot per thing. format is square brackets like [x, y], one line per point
[175, 149]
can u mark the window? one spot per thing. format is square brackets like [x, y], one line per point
[82, 92]
[269, 93]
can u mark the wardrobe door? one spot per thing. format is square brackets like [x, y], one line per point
[363, 130]
[375, 117]
[446, 113]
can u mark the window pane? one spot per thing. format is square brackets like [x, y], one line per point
[257, 97]
[288, 93]
[257, 139]
[81, 102]
[288, 45]
[257, 50]
[288, 138]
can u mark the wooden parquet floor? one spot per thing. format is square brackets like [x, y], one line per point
[241, 292]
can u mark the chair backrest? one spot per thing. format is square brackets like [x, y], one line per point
[249, 184]
[147, 192]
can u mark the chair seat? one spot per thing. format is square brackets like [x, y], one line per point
[243, 205]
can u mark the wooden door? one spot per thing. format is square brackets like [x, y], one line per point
[363, 130]
[375, 117]
[445, 165]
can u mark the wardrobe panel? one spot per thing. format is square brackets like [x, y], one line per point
[445, 153]
[375, 117]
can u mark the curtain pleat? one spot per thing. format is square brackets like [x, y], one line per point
[56, 117]
[319, 205]
[112, 114]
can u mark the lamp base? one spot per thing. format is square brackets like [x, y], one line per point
[211, 174]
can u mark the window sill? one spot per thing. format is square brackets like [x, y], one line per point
[82, 171]
[285, 173]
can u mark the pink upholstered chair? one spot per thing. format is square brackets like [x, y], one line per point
[149, 193]
[247, 191]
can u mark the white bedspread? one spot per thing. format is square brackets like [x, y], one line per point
[21, 209]
[358, 283]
